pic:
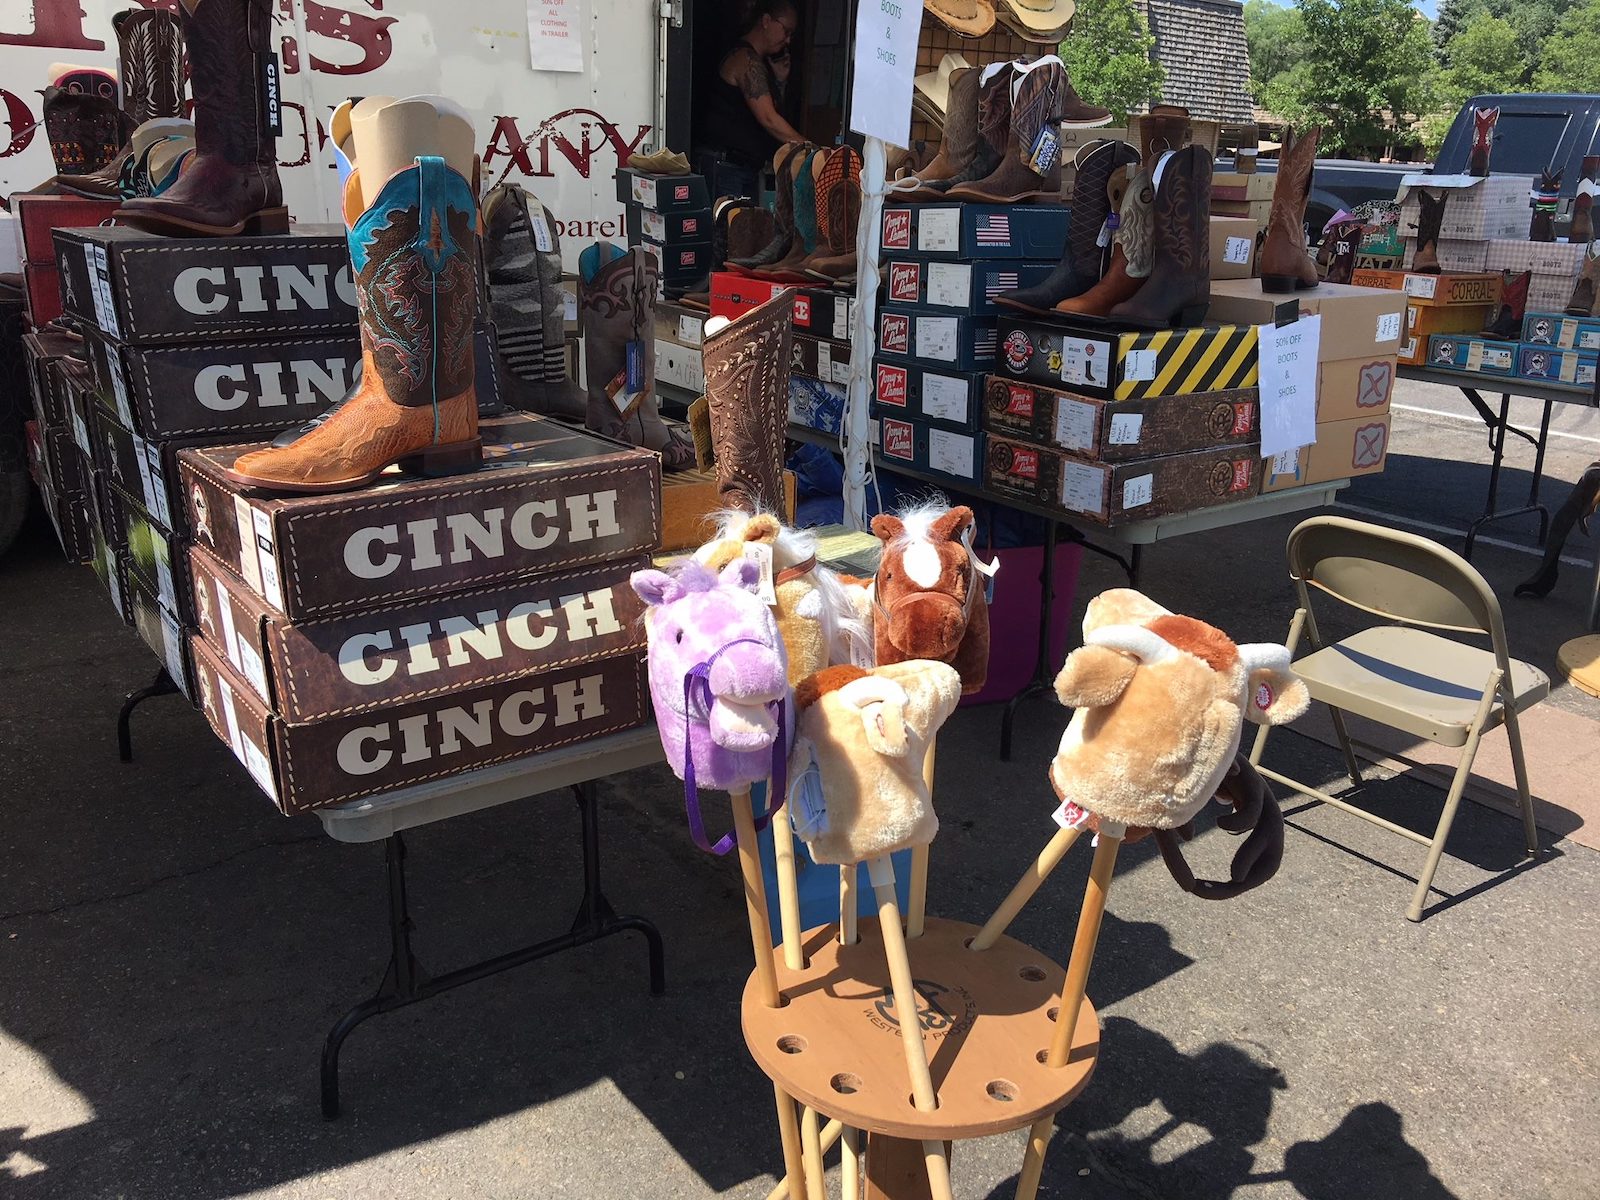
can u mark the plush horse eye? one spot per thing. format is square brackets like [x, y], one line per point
[678, 637]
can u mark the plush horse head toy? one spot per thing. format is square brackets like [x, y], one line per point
[817, 618]
[719, 681]
[868, 733]
[1161, 704]
[930, 594]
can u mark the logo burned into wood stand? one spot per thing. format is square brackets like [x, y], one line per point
[941, 1010]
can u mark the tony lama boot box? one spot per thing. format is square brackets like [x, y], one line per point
[1106, 431]
[970, 232]
[950, 399]
[955, 343]
[922, 447]
[347, 757]
[366, 661]
[968, 287]
[548, 498]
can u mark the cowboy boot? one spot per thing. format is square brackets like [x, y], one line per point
[809, 217]
[1586, 293]
[783, 164]
[1546, 200]
[85, 130]
[1075, 111]
[1582, 229]
[1179, 288]
[1426, 259]
[1483, 123]
[525, 303]
[1578, 507]
[617, 310]
[958, 142]
[1031, 163]
[1342, 242]
[1165, 127]
[747, 364]
[994, 131]
[231, 186]
[1133, 247]
[1079, 269]
[412, 254]
[1285, 262]
[1507, 323]
[842, 188]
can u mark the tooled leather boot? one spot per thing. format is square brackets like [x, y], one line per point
[783, 163]
[1586, 292]
[1079, 269]
[412, 254]
[1426, 259]
[1582, 229]
[1030, 164]
[958, 141]
[1179, 288]
[994, 130]
[231, 185]
[747, 364]
[1507, 323]
[1483, 123]
[1132, 247]
[1286, 264]
[1165, 127]
[840, 204]
[85, 130]
[151, 57]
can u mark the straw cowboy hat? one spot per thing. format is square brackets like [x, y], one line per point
[971, 18]
[934, 86]
[1044, 21]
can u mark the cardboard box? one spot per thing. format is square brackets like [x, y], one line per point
[1423, 321]
[69, 517]
[970, 232]
[1547, 292]
[1256, 212]
[1233, 246]
[684, 263]
[1118, 493]
[38, 217]
[1476, 209]
[684, 325]
[1573, 367]
[65, 461]
[393, 654]
[139, 288]
[161, 631]
[947, 399]
[681, 366]
[814, 404]
[303, 767]
[820, 358]
[1355, 387]
[157, 556]
[930, 450]
[1481, 356]
[662, 193]
[1466, 256]
[42, 349]
[1559, 330]
[1231, 185]
[1434, 291]
[691, 225]
[1110, 364]
[145, 470]
[958, 343]
[1356, 321]
[820, 312]
[110, 568]
[690, 499]
[960, 287]
[1542, 258]
[1343, 450]
[548, 498]
[1106, 431]
[41, 293]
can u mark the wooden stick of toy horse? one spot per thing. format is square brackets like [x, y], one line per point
[860, 743]
[1161, 701]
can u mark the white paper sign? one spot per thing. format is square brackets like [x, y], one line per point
[1125, 429]
[1389, 327]
[1137, 491]
[886, 60]
[1289, 385]
[1237, 250]
[555, 34]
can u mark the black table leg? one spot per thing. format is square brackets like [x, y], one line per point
[405, 981]
[1499, 426]
[161, 685]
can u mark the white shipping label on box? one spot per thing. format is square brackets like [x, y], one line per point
[1083, 487]
[950, 453]
[1288, 357]
[271, 585]
[1075, 424]
[843, 312]
[1125, 429]
[1423, 287]
[653, 225]
[944, 398]
[1237, 250]
[939, 229]
[1083, 362]
[1388, 328]
[841, 372]
[949, 284]
[119, 387]
[1138, 490]
[1139, 366]
[936, 338]
[691, 330]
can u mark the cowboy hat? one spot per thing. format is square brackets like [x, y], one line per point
[933, 87]
[971, 18]
[1044, 21]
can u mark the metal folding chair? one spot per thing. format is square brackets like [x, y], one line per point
[1404, 674]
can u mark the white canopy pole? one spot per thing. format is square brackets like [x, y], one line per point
[855, 434]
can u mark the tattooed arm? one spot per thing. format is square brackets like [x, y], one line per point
[747, 71]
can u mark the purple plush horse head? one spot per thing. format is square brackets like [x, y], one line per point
[718, 677]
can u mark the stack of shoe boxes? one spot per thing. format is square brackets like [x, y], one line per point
[936, 327]
[1476, 211]
[1456, 304]
[370, 640]
[1557, 348]
[670, 214]
[35, 218]
[57, 376]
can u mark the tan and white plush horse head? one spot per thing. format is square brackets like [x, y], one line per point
[1161, 703]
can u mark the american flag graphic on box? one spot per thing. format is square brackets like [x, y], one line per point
[993, 229]
[1000, 281]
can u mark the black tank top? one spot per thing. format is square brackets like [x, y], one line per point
[731, 127]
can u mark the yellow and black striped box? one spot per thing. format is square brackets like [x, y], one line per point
[1129, 364]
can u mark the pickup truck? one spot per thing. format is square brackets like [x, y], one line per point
[1535, 131]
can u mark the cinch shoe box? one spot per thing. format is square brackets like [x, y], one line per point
[1561, 331]
[1481, 356]
[1548, 365]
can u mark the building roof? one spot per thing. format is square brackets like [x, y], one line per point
[1201, 46]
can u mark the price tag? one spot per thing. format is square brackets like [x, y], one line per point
[841, 371]
[542, 240]
[1137, 491]
[945, 398]
[1237, 250]
[951, 453]
[1139, 366]
[936, 338]
[1421, 287]
[1125, 429]
[939, 230]
[761, 554]
[569, 305]
[1083, 487]
[824, 361]
[1389, 327]
[949, 285]
[1080, 361]
[1075, 424]
[1070, 816]
[1286, 463]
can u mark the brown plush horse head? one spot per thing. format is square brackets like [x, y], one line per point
[930, 600]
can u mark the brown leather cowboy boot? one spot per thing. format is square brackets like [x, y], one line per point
[958, 142]
[231, 186]
[1031, 163]
[783, 163]
[1165, 127]
[1426, 259]
[1079, 269]
[809, 220]
[1179, 288]
[413, 254]
[994, 131]
[747, 365]
[150, 51]
[1507, 323]
[1586, 292]
[841, 198]
[1132, 249]
[1286, 264]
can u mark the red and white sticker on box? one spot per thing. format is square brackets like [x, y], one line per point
[891, 385]
[894, 333]
[802, 310]
[897, 439]
[905, 281]
[897, 229]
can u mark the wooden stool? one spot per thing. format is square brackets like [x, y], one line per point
[987, 1023]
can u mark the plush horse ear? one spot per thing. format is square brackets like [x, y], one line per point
[654, 587]
[886, 527]
[881, 705]
[1274, 695]
[953, 524]
[1094, 676]
[742, 573]
[763, 527]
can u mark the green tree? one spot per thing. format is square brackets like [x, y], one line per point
[1110, 55]
[1534, 21]
[1485, 58]
[1454, 15]
[1571, 58]
[1276, 38]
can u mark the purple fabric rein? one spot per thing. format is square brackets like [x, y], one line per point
[699, 698]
